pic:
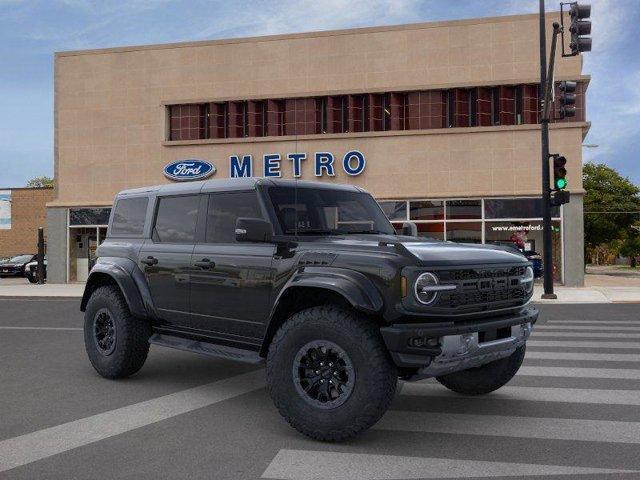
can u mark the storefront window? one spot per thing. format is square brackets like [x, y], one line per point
[89, 216]
[527, 237]
[464, 209]
[426, 210]
[394, 210]
[516, 208]
[467, 232]
[431, 230]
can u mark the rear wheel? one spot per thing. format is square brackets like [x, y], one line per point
[486, 378]
[116, 342]
[329, 373]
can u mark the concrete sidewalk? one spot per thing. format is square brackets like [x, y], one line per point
[48, 290]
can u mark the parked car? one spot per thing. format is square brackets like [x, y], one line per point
[15, 266]
[311, 279]
[31, 270]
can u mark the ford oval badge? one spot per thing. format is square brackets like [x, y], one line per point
[192, 169]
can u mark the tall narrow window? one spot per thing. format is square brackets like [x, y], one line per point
[519, 105]
[256, 110]
[217, 123]
[336, 114]
[395, 111]
[376, 117]
[236, 117]
[355, 113]
[473, 107]
[460, 107]
[530, 104]
[321, 115]
[483, 107]
[275, 118]
[507, 105]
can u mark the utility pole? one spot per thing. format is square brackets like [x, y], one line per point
[547, 257]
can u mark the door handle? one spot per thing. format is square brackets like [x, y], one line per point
[149, 260]
[205, 264]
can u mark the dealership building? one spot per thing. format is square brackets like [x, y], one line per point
[439, 121]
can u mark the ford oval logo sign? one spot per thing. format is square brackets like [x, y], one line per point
[182, 170]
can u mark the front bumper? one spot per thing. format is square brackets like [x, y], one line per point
[433, 349]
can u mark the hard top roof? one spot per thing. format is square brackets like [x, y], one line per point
[230, 184]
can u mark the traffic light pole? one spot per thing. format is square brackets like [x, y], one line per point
[547, 261]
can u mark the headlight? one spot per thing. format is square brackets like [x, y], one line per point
[427, 287]
[527, 280]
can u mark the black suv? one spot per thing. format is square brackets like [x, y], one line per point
[312, 279]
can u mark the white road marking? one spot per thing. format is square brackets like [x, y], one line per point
[595, 322]
[601, 328]
[34, 446]
[319, 465]
[601, 357]
[579, 343]
[512, 426]
[618, 373]
[531, 394]
[42, 328]
[603, 336]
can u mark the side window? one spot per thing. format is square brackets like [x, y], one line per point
[224, 209]
[176, 219]
[128, 216]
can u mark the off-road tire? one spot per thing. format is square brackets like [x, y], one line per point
[32, 278]
[131, 339]
[375, 374]
[486, 378]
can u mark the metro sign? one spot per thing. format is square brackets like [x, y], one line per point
[353, 163]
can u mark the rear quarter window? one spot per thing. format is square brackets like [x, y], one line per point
[128, 217]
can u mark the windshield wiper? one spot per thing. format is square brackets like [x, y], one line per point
[360, 232]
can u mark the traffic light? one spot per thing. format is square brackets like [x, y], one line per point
[567, 98]
[560, 198]
[559, 172]
[580, 26]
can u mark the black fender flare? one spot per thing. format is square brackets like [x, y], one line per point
[129, 279]
[355, 287]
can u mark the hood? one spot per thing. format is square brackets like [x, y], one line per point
[449, 253]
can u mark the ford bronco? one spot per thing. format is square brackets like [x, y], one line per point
[313, 280]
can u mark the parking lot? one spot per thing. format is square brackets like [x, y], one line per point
[573, 411]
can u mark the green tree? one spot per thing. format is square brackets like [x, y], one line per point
[40, 182]
[611, 205]
[631, 245]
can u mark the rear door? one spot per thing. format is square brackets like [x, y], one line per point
[165, 258]
[231, 281]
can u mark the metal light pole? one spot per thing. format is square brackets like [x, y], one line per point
[547, 260]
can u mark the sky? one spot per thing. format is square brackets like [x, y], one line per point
[31, 30]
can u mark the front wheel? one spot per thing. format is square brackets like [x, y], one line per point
[32, 278]
[329, 373]
[486, 378]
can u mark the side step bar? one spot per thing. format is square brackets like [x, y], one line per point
[204, 348]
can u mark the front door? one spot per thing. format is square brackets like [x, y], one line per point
[166, 258]
[231, 282]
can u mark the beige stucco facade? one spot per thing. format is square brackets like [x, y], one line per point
[112, 128]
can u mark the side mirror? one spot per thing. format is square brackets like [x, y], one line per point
[253, 230]
[410, 229]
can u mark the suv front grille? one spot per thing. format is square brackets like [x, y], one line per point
[482, 287]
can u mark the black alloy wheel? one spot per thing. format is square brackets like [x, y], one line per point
[104, 332]
[323, 374]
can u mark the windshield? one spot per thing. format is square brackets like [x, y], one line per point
[307, 211]
[20, 258]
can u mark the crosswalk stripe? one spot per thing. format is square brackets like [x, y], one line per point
[603, 336]
[532, 394]
[34, 446]
[586, 356]
[512, 426]
[579, 343]
[321, 465]
[566, 328]
[594, 322]
[575, 372]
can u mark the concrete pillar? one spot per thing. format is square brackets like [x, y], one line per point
[573, 242]
[57, 256]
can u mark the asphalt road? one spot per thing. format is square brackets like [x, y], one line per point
[572, 412]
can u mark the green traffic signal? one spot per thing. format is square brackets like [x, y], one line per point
[561, 183]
